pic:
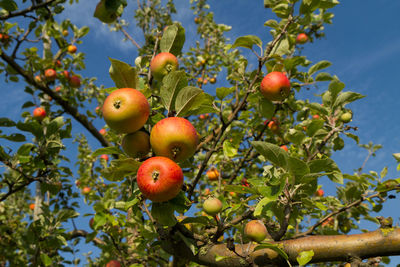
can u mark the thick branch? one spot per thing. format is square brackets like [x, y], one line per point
[82, 233]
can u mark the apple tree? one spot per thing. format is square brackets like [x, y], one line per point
[209, 154]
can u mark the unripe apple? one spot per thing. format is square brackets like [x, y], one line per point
[275, 86]
[137, 144]
[86, 190]
[39, 113]
[213, 80]
[159, 179]
[301, 38]
[103, 14]
[212, 174]
[126, 110]
[32, 206]
[255, 230]
[175, 138]
[197, 20]
[38, 79]
[113, 263]
[346, 117]
[212, 206]
[74, 81]
[71, 49]
[50, 75]
[65, 32]
[162, 64]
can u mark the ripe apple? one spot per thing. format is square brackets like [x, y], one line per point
[71, 49]
[346, 117]
[316, 116]
[273, 126]
[38, 79]
[212, 174]
[275, 86]
[212, 206]
[39, 113]
[159, 179]
[50, 75]
[255, 230]
[74, 81]
[320, 193]
[137, 144]
[32, 206]
[103, 131]
[175, 138]
[86, 190]
[104, 156]
[113, 263]
[301, 38]
[213, 80]
[65, 74]
[285, 148]
[202, 117]
[126, 110]
[58, 89]
[162, 64]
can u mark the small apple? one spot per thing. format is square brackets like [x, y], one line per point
[212, 206]
[255, 230]
[32, 206]
[38, 79]
[202, 117]
[103, 131]
[126, 110]
[162, 64]
[71, 49]
[50, 75]
[58, 63]
[315, 117]
[137, 144]
[4, 37]
[285, 148]
[275, 86]
[175, 138]
[245, 182]
[205, 81]
[212, 174]
[104, 156]
[74, 81]
[301, 38]
[197, 20]
[65, 74]
[39, 113]
[213, 80]
[65, 32]
[159, 179]
[77, 183]
[273, 126]
[104, 14]
[113, 263]
[346, 117]
[91, 222]
[86, 190]
[200, 80]
[320, 193]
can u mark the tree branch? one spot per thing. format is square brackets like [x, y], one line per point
[27, 10]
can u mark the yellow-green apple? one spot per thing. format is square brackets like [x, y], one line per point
[301, 38]
[74, 81]
[212, 206]
[174, 138]
[65, 32]
[162, 64]
[126, 110]
[255, 230]
[71, 49]
[38, 79]
[103, 14]
[113, 263]
[137, 144]
[213, 80]
[212, 174]
[159, 179]
[346, 117]
[50, 75]
[275, 86]
[39, 113]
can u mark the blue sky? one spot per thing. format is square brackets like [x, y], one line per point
[363, 45]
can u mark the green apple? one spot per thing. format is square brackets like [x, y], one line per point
[212, 206]
[137, 144]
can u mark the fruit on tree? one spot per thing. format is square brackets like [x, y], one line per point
[212, 174]
[285, 148]
[159, 179]
[103, 131]
[301, 38]
[50, 75]
[275, 86]
[91, 222]
[58, 89]
[113, 263]
[65, 32]
[320, 192]
[32, 206]
[65, 74]
[38, 79]
[126, 110]
[74, 81]
[346, 117]
[39, 113]
[162, 64]
[315, 117]
[197, 20]
[71, 49]
[273, 126]
[137, 144]
[174, 138]
[104, 156]
[255, 230]
[213, 80]
[86, 190]
[103, 14]
[212, 206]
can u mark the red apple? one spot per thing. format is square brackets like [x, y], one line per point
[104, 156]
[39, 113]
[212, 174]
[175, 138]
[320, 193]
[77, 183]
[32, 206]
[212, 206]
[50, 75]
[103, 131]
[86, 190]
[275, 86]
[162, 64]
[255, 230]
[159, 179]
[113, 263]
[137, 144]
[74, 81]
[302, 38]
[71, 49]
[273, 126]
[58, 89]
[126, 110]
[316, 116]
[65, 74]
[285, 148]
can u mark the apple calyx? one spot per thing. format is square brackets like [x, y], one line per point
[155, 175]
[117, 104]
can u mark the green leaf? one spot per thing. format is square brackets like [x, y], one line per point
[319, 66]
[54, 126]
[295, 136]
[347, 97]
[120, 168]
[15, 137]
[328, 3]
[33, 127]
[106, 150]
[327, 166]
[247, 41]
[123, 75]
[201, 220]
[297, 166]
[266, 108]
[187, 99]
[99, 220]
[314, 126]
[229, 150]
[272, 153]
[173, 39]
[25, 149]
[317, 107]
[8, 5]
[6, 122]
[172, 83]
[272, 23]
[323, 76]
[45, 259]
[396, 156]
[203, 103]
[263, 203]
[163, 213]
[281, 48]
[304, 257]
[223, 92]
[240, 189]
